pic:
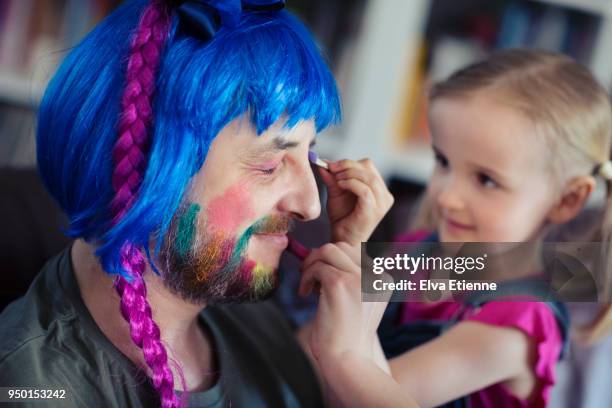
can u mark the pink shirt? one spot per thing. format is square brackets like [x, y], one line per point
[535, 319]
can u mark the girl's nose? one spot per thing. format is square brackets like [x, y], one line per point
[450, 198]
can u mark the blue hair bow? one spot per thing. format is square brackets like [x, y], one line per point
[203, 18]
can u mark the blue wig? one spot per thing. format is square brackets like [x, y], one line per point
[266, 67]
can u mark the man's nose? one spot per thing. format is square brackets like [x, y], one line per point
[303, 199]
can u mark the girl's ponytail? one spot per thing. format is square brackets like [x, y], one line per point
[602, 324]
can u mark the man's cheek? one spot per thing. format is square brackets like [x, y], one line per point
[231, 210]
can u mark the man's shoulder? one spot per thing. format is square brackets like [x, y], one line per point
[41, 338]
[27, 357]
[40, 360]
[18, 328]
[39, 364]
[34, 339]
[34, 319]
[46, 347]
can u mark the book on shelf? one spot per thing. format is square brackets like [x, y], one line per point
[550, 27]
[413, 100]
[14, 34]
[515, 26]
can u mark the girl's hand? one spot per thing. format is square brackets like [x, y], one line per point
[357, 199]
[343, 322]
[342, 337]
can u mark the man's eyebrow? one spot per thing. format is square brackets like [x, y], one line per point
[282, 144]
[278, 144]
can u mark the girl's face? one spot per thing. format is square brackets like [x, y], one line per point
[492, 181]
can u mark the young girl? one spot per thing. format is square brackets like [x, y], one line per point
[520, 141]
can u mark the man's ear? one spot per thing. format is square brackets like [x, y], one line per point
[574, 198]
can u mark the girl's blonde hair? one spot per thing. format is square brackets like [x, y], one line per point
[568, 107]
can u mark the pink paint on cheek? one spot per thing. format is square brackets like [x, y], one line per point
[231, 209]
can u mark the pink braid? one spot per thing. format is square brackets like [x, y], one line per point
[129, 155]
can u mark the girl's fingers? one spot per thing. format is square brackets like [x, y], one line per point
[327, 177]
[363, 164]
[369, 164]
[378, 185]
[329, 277]
[365, 171]
[353, 252]
[360, 189]
[341, 257]
[309, 280]
[357, 173]
[306, 286]
[330, 254]
[340, 165]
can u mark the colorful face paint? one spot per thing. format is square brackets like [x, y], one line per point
[186, 230]
[215, 269]
[263, 281]
[229, 210]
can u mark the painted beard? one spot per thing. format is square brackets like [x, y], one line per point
[212, 267]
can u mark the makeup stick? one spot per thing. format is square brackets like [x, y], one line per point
[297, 249]
[314, 159]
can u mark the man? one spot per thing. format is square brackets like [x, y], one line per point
[176, 138]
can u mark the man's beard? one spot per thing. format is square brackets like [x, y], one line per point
[204, 265]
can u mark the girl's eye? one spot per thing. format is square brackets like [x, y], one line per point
[487, 181]
[441, 160]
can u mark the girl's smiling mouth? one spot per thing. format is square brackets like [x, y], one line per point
[453, 225]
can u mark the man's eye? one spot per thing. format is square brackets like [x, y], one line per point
[486, 181]
[269, 171]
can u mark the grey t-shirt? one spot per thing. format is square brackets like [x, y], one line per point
[49, 341]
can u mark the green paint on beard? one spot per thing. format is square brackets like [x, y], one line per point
[243, 242]
[186, 230]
